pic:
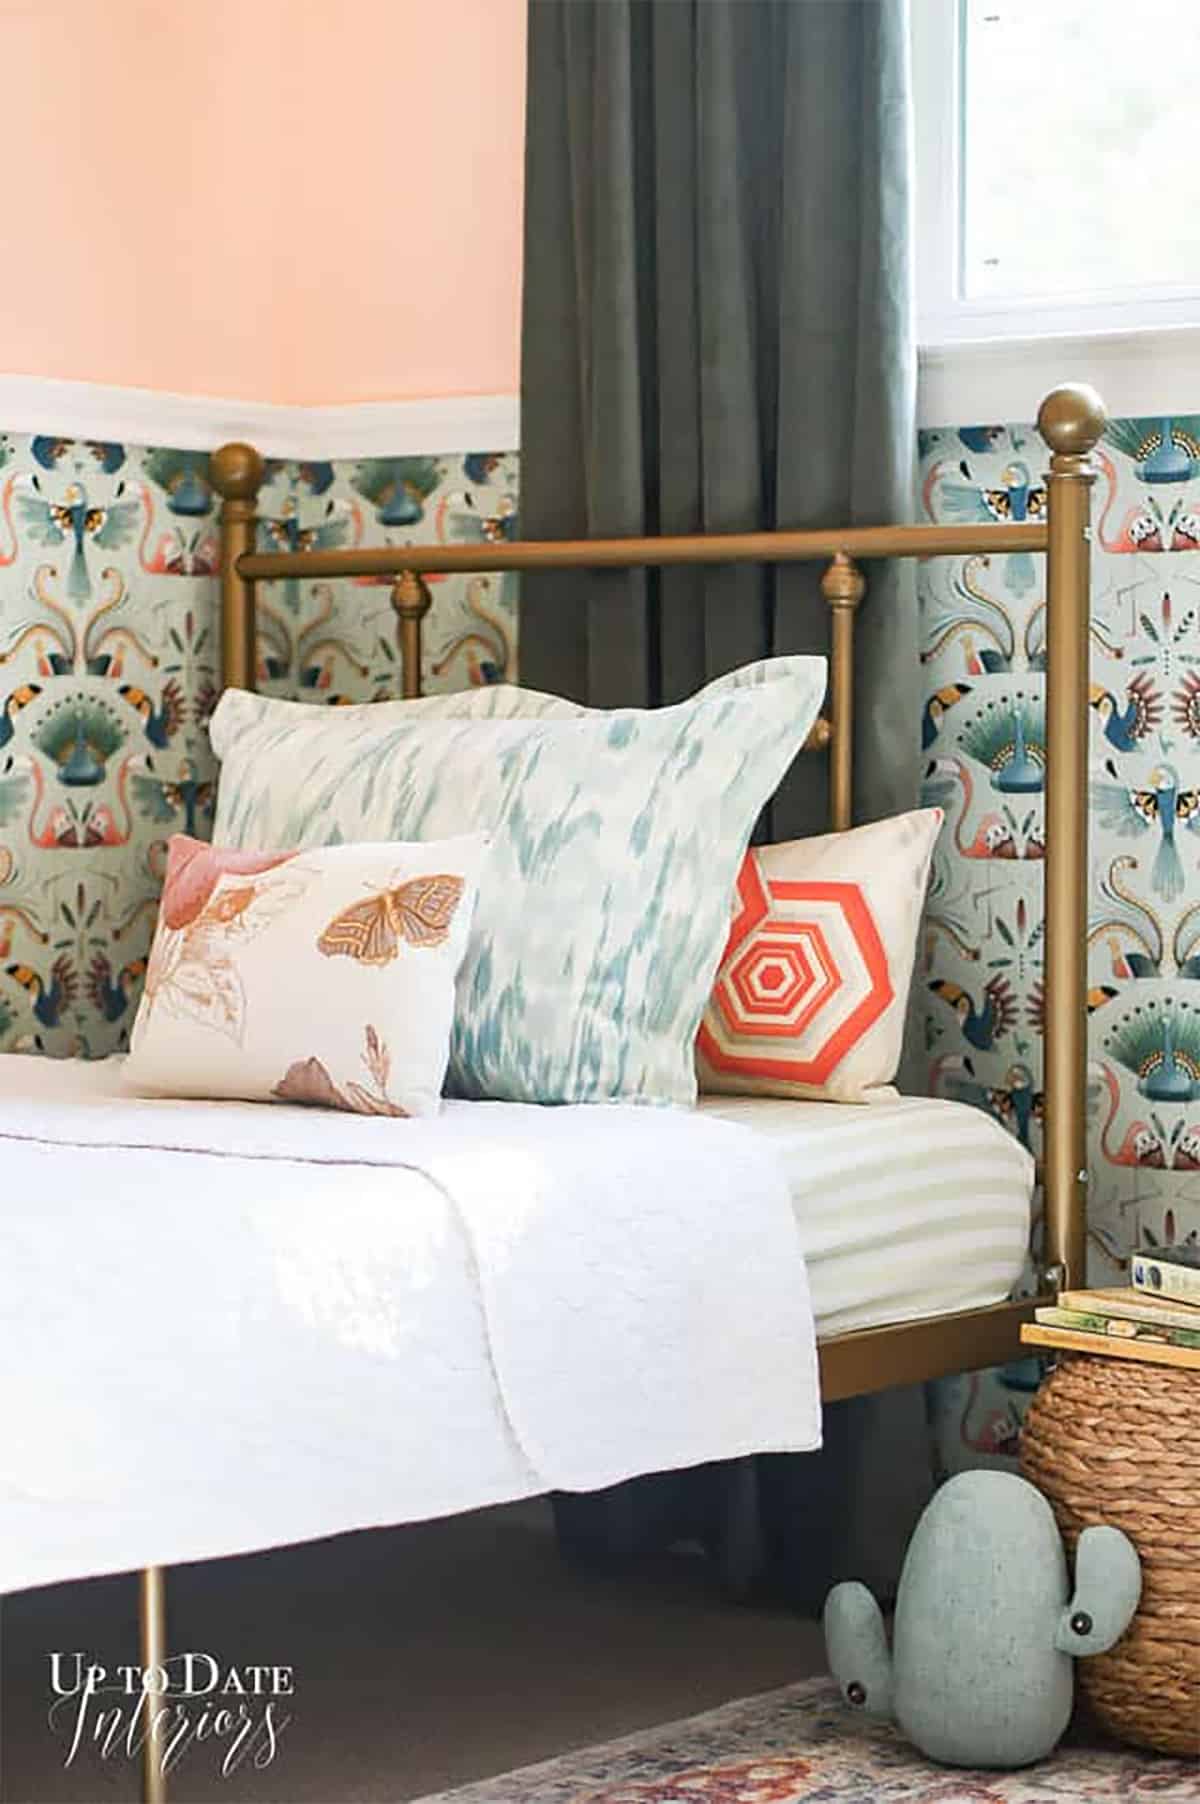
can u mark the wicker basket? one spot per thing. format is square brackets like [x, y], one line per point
[1118, 1441]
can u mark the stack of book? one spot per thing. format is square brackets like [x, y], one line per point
[1155, 1318]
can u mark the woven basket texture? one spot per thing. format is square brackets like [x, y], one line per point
[1118, 1441]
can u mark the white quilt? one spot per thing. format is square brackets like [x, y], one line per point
[227, 1326]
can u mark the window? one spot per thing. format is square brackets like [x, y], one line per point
[1055, 166]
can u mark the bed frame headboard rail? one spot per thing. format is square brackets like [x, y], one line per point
[1071, 420]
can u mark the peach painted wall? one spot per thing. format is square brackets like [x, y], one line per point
[276, 200]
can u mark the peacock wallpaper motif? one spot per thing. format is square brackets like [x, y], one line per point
[109, 669]
[983, 626]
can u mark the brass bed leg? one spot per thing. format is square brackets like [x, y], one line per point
[237, 473]
[152, 1617]
[1071, 421]
[843, 586]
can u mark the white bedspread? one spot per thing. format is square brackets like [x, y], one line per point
[226, 1326]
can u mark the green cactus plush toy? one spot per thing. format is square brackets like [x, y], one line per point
[987, 1625]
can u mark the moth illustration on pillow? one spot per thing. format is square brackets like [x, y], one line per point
[418, 912]
[323, 976]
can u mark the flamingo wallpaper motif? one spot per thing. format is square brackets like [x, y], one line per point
[108, 671]
[983, 624]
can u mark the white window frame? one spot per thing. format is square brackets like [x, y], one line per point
[944, 317]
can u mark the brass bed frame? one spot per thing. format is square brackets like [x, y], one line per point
[1070, 420]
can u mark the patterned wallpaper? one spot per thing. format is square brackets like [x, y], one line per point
[983, 625]
[108, 669]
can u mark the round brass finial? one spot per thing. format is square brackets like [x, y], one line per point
[843, 584]
[237, 472]
[1071, 419]
[411, 598]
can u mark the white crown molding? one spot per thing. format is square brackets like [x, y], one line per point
[143, 416]
[1000, 381]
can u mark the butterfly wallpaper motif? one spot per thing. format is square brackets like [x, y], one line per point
[983, 732]
[109, 652]
[337, 641]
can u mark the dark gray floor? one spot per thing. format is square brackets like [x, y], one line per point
[424, 1657]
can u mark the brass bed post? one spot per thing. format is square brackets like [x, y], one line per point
[152, 1600]
[411, 601]
[237, 473]
[843, 586]
[1071, 421]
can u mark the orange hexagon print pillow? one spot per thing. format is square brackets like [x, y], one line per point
[810, 997]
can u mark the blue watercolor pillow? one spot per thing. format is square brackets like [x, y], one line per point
[605, 904]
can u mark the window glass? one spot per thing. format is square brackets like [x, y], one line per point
[1079, 148]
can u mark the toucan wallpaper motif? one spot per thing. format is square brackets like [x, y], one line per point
[983, 623]
[109, 668]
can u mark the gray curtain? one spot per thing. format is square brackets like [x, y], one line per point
[718, 335]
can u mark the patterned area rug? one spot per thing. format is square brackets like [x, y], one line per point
[800, 1744]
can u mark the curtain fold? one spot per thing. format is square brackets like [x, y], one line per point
[717, 335]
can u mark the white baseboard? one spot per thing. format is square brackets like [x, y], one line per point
[143, 416]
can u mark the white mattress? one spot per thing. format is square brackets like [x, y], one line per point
[907, 1208]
